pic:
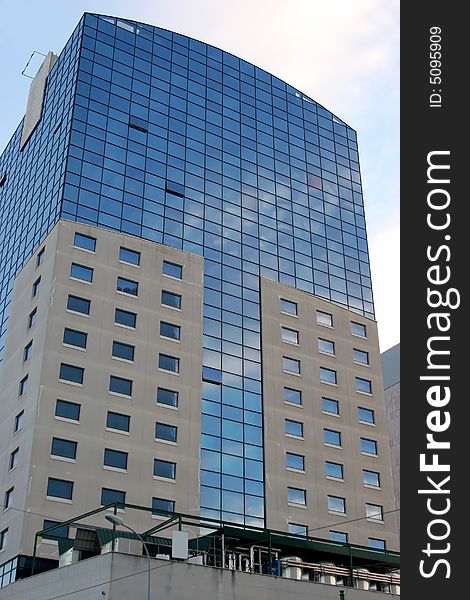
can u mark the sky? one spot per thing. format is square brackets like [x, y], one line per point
[342, 53]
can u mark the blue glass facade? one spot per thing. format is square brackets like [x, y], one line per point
[186, 145]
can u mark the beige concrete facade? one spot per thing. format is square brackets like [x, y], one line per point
[313, 480]
[35, 465]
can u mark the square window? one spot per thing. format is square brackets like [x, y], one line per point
[363, 385]
[123, 351]
[365, 415]
[130, 257]
[371, 478]
[290, 335]
[330, 407]
[14, 456]
[32, 318]
[127, 286]
[24, 385]
[27, 351]
[296, 496]
[376, 544]
[172, 270]
[109, 496]
[167, 397]
[293, 396]
[300, 530]
[119, 385]
[290, 365]
[334, 470]
[333, 438]
[171, 299]
[168, 363]
[8, 499]
[75, 338]
[19, 420]
[71, 373]
[328, 376]
[59, 488]
[85, 242]
[81, 273]
[64, 448]
[324, 318]
[360, 357]
[165, 432]
[326, 347]
[67, 410]
[36, 287]
[162, 505]
[125, 318]
[78, 305]
[374, 512]
[336, 504]
[295, 461]
[58, 532]
[358, 329]
[117, 421]
[369, 446]
[294, 428]
[170, 331]
[40, 257]
[115, 459]
[288, 307]
[164, 468]
[338, 536]
[3, 539]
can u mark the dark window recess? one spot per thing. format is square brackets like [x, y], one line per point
[3, 179]
[80, 305]
[75, 338]
[67, 410]
[64, 448]
[174, 188]
[115, 459]
[71, 373]
[138, 124]
[58, 532]
[161, 504]
[109, 496]
[117, 421]
[124, 317]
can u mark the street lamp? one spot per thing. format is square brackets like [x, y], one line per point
[118, 521]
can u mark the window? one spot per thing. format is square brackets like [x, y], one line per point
[32, 318]
[71, 373]
[371, 478]
[59, 488]
[24, 384]
[115, 459]
[374, 512]
[338, 536]
[27, 351]
[126, 286]
[75, 338]
[123, 351]
[170, 299]
[8, 499]
[326, 347]
[167, 397]
[295, 461]
[64, 448]
[363, 385]
[13, 459]
[360, 356]
[376, 544]
[296, 496]
[81, 272]
[172, 332]
[333, 438]
[301, 530]
[288, 307]
[165, 432]
[365, 415]
[293, 396]
[125, 318]
[168, 363]
[163, 468]
[160, 504]
[336, 504]
[130, 257]
[330, 407]
[36, 287]
[40, 257]
[294, 428]
[291, 365]
[328, 376]
[117, 421]
[85, 242]
[290, 335]
[324, 318]
[62, 531]
[334, 470]
[119, 385]
[368, 446]
[358, 329]
[172, 270]
[19, 419]
[78, 305]
[3, 539]
[67, 410]
[109, 496]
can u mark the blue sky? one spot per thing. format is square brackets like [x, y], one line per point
[342, 53]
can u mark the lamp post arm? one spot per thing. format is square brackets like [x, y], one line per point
[149, 596]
